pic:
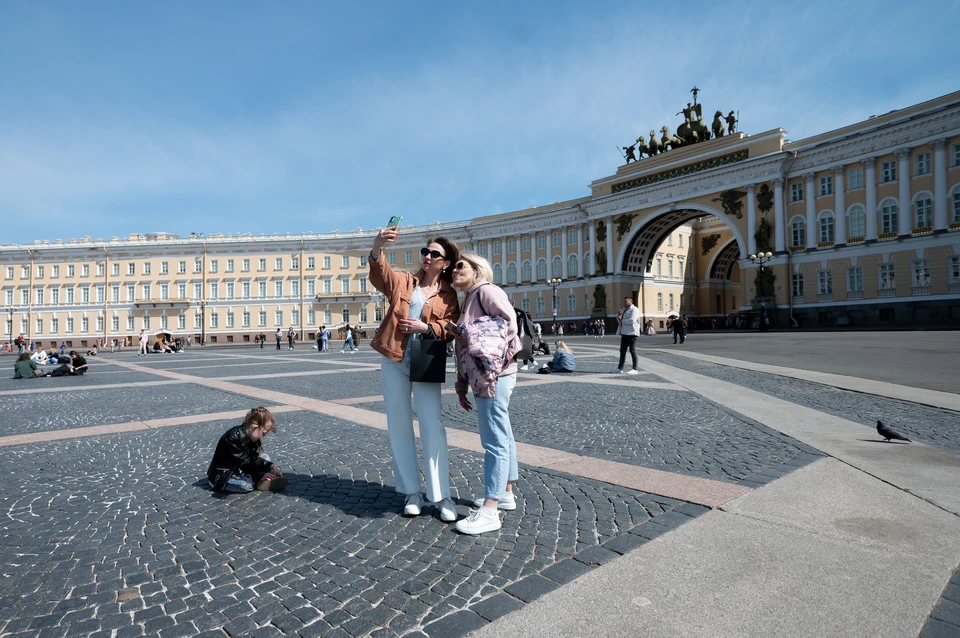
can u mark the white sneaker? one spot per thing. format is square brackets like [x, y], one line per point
[507, 502]
[448, 513]
[524, 368]
[634, 371]
[413, 504]
[479, 521]
[616, 371]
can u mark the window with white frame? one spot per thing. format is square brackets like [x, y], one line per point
[100, 324]
[363, 261]
[182, 267]
[145, 322]
[526, 271]
[511, 246]
[482, 249]
[326, 262]
[10, 272]
[181, 321]
[525, 305]
[327, 316]
[525, 242]
[826, 228]
[294, 263]
[214, 319]
[129, 323]
[163, 322]
[146, 269]
[311, 287]
[295, 317]
[511, 273]
[496, 247]
[887, 279]
[262, 264]
[55, 325]
[131, 293]
[311, 317]
[888, 216]
[278, 318]
[295, 287]
[798, 232]
[923, 211]
[921, 273]
[197, 265]
[214, 290]
[85, 270]
[230, 264]
[541, 269]
[344, 283]
[796, 285]
[327, 285]
[262, 289]
[659, 302]
[8, 297]
[572, 236]
[541, 241]
[245, 319]
[855, 279]
[278, 288]
[587, 261]
[362, 283]
[345, 315]
[669, 240]
[363, 314]
[680, 241]
[956, 207]
[70, 271]
[670, 267]
[245, 289]
[541, 306]
[262, 318]
[196, 321]
[85, 293]
[278, 263]
[497, 274]
[953, 269]
[571, 304]
[311, 263]
[955, 153]
[131, 269]
[164, 291]
[39, 296]
[826, 185]
[101, 269]
[857, 221]
[392, 259]
[114, 293]
[586, 301]
[825, 282]
[408, 257]
[659, 266]
[557, 239]
[70, 325]
[164, 268]
[115, 324]
[888, 172]
[55, 296]
[556, 270]
[39, 328]
[670, 297]
[796, 192]
[572, 269]
[921, 164]
[56, 271]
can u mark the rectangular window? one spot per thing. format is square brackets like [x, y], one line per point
[245, 319]
[146, 268]
[39, 296]
[327, 317]
[115, 323]
[40, 272]
[114, 270]
[311, 287]
[511, 246]
[196, 321]
[214, 290]
[326, 263]
[56, 271]
[198, 291]
[262, 264]
[363, 261]
[294, 287]
[230, 289]
[198, 265]
[54, 296]
[99, 324]
[145, 287]
[181, 321]
[245, 289]
[345, 261]
[164, 291]
[101, 296]
[345, 283]
[230, 319]
[670, 268]
[953, 269]
[214, 320]
[181, 291]
[572, 236]
[825, 282]
[70, 325]
[571, 303]
[680, 241]
[115, 294]
[557, 239]
[262, 318]
[797, 285]
[229, 265]
[796, 192]
[55, 325]
[278, 318]
[181, 267]
[525, 243]
[85, 294]
[826, 185]
[888, 172]
[525, 305]
[25, 272]
[131, 269]
[854, 279]
[669, 240]
[129, 323]
[921, 273]
[311, 263]
[921, 164]
[163, 322]
[311, 317]
[70, 271]
[541, 241]
[101, 269]
[496, 246]
[586, 301]
[245, 265]
[327, 285]
[408, 257]
[659, 266]
[671, 301]
[278, 289]
[888, 217]
[278, 263]
[85, 270]
[363, 284]
[164, 268]
[10, 271]
[887, 279]
[392, 259]
[482, 249]
[294, 263]
[85, 324]
[261, 289]
[131, 293]
[541, 306]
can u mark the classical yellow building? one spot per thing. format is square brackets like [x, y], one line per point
[862, 225]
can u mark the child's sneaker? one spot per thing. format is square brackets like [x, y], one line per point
[271, 485]
[507, 502]
[479, 521]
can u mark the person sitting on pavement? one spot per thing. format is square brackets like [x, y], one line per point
[25, 368]
[563, 360]
[40, 357]
[93, 351]
[238, 463]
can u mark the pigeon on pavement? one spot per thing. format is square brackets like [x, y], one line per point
[888, 434]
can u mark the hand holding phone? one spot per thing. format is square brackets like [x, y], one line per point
[394, 221]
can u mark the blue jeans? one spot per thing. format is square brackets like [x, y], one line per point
[496, 436]
[348, 342]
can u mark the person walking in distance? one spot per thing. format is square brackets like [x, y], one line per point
[291, 336]
[142, 342]
[677, 326]
[628, 319]
[279, 337]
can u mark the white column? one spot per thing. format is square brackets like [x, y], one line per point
[519, 254]
[563, 252]
[582, 270]
[503, 260]
[941, 217]
[593, 249]
[905, 219]
[870, 191]
[533, 257]
[780, 231]
[609, 223]
[751, 219]
[549, 236]
[839, 205]
[811, 211]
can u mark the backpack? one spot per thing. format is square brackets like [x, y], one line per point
[525, 332]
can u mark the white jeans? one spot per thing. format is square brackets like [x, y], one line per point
[397, 388]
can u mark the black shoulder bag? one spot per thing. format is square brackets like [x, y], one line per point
[428, 359]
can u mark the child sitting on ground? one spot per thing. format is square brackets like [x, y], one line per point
[238, 465]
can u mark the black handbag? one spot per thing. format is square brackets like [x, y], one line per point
[428, 359]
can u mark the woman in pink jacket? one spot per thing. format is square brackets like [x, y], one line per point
[486, 345]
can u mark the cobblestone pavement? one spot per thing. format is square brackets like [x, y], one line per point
[130, 542]
[674, 431]
[934, 426]
[328, 387]
[82, 408]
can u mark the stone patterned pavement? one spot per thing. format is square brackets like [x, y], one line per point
[117, 535]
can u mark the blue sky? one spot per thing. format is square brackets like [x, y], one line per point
[251, 116]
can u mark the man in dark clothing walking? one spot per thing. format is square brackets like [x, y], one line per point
[279, 337]
[677, 326]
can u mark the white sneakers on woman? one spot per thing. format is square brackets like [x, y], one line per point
[448, 513]
[480, 520]
[414, 505]
[507, 502]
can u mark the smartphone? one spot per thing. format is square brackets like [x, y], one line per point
[394, 221]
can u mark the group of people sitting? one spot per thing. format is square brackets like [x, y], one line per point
[26, 366]
[563, 359]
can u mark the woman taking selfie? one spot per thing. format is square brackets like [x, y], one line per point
[486, 344]
[421, 305]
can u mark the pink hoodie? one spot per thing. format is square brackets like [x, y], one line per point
[490, 298]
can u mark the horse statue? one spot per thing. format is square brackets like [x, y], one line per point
[669, 138]
[700, 127]
[719, 130]
[642, 147]
[654, 146]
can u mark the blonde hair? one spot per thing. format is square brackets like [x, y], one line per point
[261, 417]
[562, 346]
[480, 266]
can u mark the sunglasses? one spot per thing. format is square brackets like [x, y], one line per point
[434, 254]
[462, 265]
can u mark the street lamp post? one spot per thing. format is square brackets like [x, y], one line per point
[760, 259]
[554, 283]
[10, 311]
[203, 322]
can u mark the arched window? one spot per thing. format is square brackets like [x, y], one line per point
[525, 270]
[825, 226]
[922, 210]
[556, 271]
[857, 222]
[497, 274]
[541, 269]
[572, 270]
[798, 230]
[511, 273]
[587, 262]
[888, 215]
